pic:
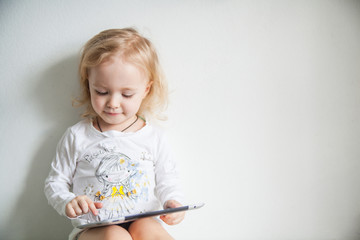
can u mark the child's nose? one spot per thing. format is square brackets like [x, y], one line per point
[114, 102]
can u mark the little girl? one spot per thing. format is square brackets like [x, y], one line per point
[114, 162]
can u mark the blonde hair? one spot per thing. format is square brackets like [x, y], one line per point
[133, 48]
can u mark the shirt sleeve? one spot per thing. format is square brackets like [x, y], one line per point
[59, 181]
[166, 174]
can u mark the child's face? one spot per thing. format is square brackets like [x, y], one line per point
[117, 89]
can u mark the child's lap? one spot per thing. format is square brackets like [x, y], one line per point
[145, 227]
[141, 226]
[118, 230]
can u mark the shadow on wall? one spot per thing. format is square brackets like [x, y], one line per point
[34, 218]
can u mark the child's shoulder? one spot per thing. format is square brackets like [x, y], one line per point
[156, 130]
[80, 127]
[75, 132]
[155, 127]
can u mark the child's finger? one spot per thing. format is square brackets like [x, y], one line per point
[172, 219]
[84, 205]
[98, 205]
[70, 212]
[77, 210]
[93, 207]
[177, 219]
[168, 219]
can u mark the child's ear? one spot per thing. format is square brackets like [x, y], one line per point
[148, 88]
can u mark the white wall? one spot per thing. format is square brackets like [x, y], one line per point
[264, 117]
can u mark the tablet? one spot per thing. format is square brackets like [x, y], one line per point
[134, 217]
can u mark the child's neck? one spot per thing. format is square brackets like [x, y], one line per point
[132, 125]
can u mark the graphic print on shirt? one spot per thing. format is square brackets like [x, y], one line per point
[123, 184]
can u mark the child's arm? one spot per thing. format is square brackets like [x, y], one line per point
[173, 218]
[168, 187]
[59, 181]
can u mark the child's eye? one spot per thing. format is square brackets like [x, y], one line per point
[127, 95]
[101, 93]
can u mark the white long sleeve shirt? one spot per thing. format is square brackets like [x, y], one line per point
[128, 172]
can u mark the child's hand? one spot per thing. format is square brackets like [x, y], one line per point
[173, 218]
[81, 205]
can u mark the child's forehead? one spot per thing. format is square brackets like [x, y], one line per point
[117, 72]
